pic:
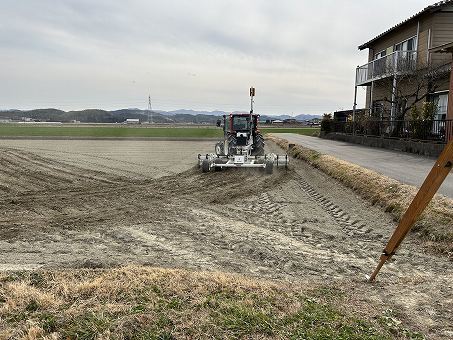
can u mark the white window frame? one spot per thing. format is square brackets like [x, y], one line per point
[380, 55]
[440, 93]
[403, 41]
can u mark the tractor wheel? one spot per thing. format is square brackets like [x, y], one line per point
[258, 148]
[219, 149]
[269, 167]
[232, 143]
[205, 166]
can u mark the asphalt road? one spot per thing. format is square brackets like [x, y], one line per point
[404, 167]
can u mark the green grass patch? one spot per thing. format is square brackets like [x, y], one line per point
[124, 303]
[18, 130]
[309, 131]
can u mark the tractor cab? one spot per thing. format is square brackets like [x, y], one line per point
[238, 122]
[241, 123]
[237, 128]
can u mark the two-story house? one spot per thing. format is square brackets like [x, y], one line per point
[404, 49]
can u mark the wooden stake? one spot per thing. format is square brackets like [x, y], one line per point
[427, 191]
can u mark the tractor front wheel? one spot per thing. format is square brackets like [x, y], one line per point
[219, 149]
[205, 166]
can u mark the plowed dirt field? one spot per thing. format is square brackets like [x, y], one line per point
[109, 203]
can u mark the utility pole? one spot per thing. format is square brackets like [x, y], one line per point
[149, 110]
[252, 95]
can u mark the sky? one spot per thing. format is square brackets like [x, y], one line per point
[300, 55]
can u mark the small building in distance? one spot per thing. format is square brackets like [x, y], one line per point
[314, 122]
[132, 121]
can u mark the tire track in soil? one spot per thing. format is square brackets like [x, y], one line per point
[352, 228]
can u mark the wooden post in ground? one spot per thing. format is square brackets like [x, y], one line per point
[427, 191]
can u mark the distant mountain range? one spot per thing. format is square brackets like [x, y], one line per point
[300, 117]
[119, 116]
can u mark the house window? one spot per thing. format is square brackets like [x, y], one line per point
[380, 54]
[441, 102]
[407, 45]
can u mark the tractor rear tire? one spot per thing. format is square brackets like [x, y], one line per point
[269, 169]
[232, 144]
[219, 149]
[258, 148]
[205, 166]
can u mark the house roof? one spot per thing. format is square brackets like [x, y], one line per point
[430, 8]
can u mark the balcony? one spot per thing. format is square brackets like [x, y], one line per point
[398, 62]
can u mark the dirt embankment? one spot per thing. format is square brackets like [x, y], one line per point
[296, 226]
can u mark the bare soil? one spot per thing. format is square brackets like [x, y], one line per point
[93, 204]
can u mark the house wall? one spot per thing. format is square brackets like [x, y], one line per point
[442, 34]
[425, 39]
[435, 29]
[405, 32]
[383, 90]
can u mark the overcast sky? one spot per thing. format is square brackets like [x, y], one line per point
[199, 54]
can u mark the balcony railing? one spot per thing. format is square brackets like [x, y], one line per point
[395, 63]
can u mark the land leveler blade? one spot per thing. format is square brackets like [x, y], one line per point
[267, 162]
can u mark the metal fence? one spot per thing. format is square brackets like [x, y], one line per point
[423, 130]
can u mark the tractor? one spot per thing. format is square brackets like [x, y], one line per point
[242, 145]
[238, 130]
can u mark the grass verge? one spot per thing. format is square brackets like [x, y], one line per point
[11, 130]
[434, 227]
[308, 131]
[151, 303]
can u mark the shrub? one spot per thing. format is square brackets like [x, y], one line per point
[326, 123]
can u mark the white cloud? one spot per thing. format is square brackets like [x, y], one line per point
[200, 54]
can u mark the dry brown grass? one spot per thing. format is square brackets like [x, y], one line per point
[155, 303]
[435, 226]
